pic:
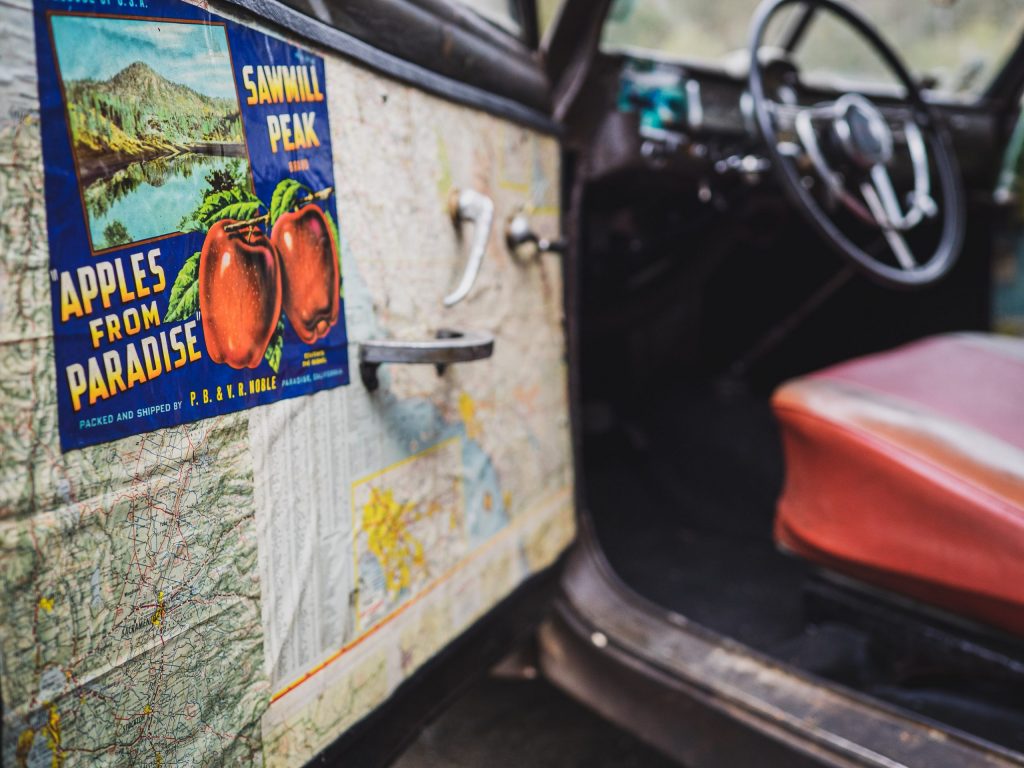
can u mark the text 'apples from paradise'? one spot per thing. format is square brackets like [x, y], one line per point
[309, 260]
[239, 294]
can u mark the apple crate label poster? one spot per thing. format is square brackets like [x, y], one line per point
[193, 230]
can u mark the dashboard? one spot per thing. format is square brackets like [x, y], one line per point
[699, 120]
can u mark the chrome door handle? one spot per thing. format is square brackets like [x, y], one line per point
[449, 347]
[470, 205]
[523, 243]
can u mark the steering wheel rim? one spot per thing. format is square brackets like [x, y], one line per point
[790, 178]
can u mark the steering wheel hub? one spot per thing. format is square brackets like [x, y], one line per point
[863, 134]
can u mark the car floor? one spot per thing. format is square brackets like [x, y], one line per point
[682, 493]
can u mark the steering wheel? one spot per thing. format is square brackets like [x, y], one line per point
[850, 145]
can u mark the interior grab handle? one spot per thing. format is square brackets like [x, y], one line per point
[450, 346]
[470, 205]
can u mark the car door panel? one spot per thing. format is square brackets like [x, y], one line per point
[485, 425]
[247, 587]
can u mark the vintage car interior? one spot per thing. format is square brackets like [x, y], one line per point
[714, 429]
[797, 431]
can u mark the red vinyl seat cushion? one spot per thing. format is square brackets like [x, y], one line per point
[906, 469]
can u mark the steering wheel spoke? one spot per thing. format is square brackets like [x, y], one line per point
[882, 215]
[922, 204]
[880, 184]
[835, 185]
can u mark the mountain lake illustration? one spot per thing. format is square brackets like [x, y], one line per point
[153, 129]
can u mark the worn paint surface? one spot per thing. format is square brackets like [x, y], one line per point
[243, 589]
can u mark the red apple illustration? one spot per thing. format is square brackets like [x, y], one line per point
[309, 260]
[239, 294]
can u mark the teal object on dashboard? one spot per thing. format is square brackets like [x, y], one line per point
[656, 93]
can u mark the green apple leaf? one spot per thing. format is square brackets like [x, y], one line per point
[188, 305]
[276, 346]
[235, 203]
[189, 223]
[184, 301]
[286, 194]
[237, 211]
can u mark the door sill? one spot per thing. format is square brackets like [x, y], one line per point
[706, 700]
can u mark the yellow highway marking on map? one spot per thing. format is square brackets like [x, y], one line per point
[24, 746]
[52, 729]
[444, 180]
[467, 412]
[546, 210]
[515, 186]
[388, 537]
[389, 524]
[539, 505]
[407, 460]
[158, 615]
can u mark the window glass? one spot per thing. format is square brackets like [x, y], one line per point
[832, 49]
[957, 46]
[504, 13]
[547, 12]
[692, 29]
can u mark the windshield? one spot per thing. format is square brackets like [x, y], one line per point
[955, 46]
[500, 12]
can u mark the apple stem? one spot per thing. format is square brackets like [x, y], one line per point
[323, 194]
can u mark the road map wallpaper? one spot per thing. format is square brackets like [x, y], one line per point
[242, 587]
